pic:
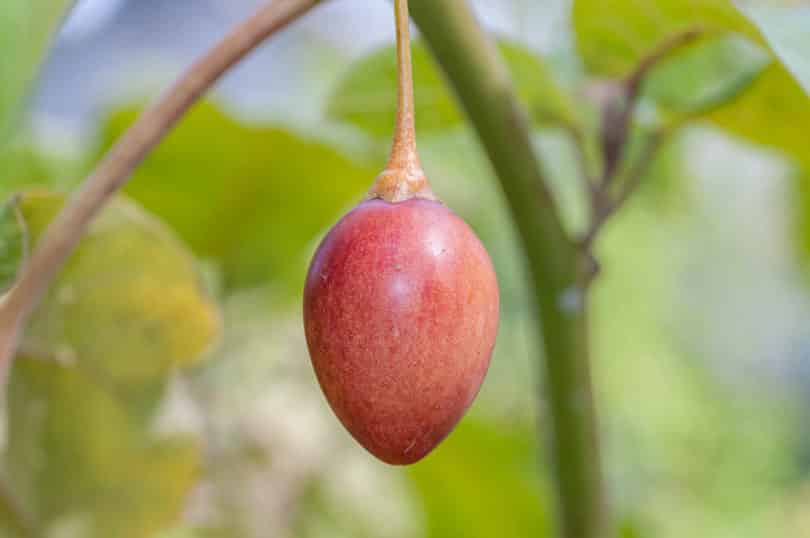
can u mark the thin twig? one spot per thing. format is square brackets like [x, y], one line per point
[634, 177]
[111, 174]
[635, 80]
[579, 141]
[617, 122]
[617, 119]
[639, 170]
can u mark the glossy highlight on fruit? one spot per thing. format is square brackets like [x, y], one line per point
[400, 314]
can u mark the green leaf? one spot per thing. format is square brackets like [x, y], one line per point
[708, 75]
[613, 36]
[252, 198]
[774, 111]
[22, 168]
[482, 481]
[26, 31]
[128, 307]
[367, 95]
[83, 465]
[13, 242]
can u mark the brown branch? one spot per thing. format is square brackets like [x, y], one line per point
[617, 116]
[578, 139]
[112, 172]
[635, 80]
[635, 175]
[638, 171]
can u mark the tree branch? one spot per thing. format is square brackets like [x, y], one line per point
[618, 113]
[67, 229]
[634, 80]
[634, 177]
[482, 84]
[579, 142]
[618, 100]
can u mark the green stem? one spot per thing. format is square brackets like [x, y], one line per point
[474, 68]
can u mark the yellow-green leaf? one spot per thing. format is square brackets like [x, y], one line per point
[613, 36]
[774, 111]
[707, 75]
[79, 461]
[251, 198]
[128, 307]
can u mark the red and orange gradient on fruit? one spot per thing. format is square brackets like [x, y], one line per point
[401, 313]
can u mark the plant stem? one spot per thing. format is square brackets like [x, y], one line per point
[617, 123]
[67, 229]
[471, 62]
[663, 50]
[403, 177]
[403, 151]
[635, 175]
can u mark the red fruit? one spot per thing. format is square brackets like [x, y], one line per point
[400, 313]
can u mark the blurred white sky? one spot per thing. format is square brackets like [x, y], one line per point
[88, 16]
[113, 50]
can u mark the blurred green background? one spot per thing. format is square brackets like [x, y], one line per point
[164, 389]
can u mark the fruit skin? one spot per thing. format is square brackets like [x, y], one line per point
[400, 312]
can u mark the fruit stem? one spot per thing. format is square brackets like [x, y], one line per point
[403, 177]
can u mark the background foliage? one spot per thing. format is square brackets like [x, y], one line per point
[163, 388]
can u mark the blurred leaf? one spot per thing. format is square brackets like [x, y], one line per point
[252, 198]
[26, 31]
[482, 481]
[13, 242]
[707, 75]
[128, 307]
[613, 36]
[786, 30]
[702, 444]
[126, 310]
[185, 532]
[82, 465]
[629, 529]
[13, 523]
[774, 111]
[367, 94]
[22, 167]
